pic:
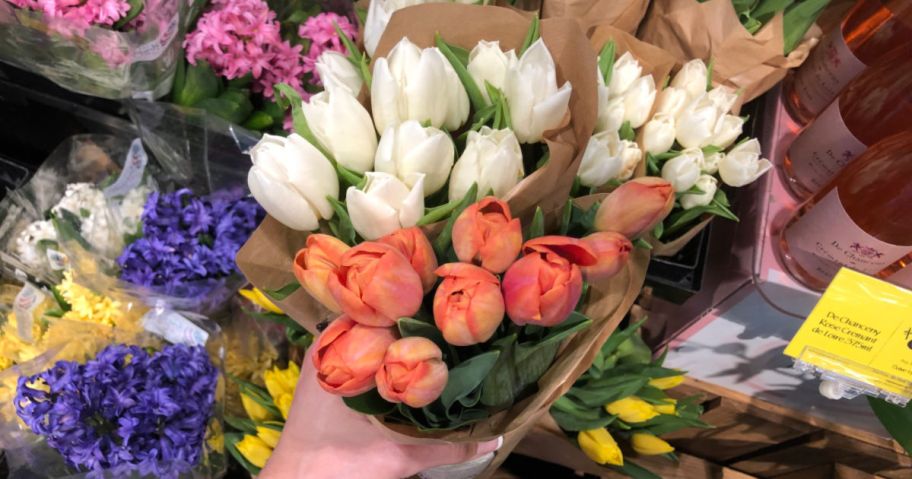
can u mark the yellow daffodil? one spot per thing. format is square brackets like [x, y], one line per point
[254, 450]
[649, 445]
[254, 410]
[283, 402]
[631, 409]
[600, 447]
[667, 383]
[258, 298]
[669, 407]
[268, 435]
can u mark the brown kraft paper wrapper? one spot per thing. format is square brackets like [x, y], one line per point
[624, 15]
[674, 246]
[711, 30]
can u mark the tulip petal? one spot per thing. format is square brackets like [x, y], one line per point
[384, 96]
[370, 218]
[573, 250]
[281, 202]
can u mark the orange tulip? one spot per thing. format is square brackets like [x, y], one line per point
[348, 356]
[543, 287]
[636, 207]
[375, 285]
[468, 305]
[612, 250]
[315, 263]
[414, 245]
[487, 235]
[413, 372]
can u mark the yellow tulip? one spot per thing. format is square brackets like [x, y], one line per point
[669, 407]
[269, 435]
[600, 447]
[667, 383]
[254, 410]
[281, 381]
[283, 402]
[254, 450]
[258, 298]
[649, 445]
[632, 409]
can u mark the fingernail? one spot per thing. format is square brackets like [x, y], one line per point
[490, 446]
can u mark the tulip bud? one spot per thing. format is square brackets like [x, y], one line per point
[599, 446]
[648, 444]
[631, 156]
[348, 355]
[283, 402]
[314, 264]
[742, 165]
[669, 407]
[413, 372]
[488, 63]
[696, 125]
[723, 97]
[268, 435]
[468, 305]
[254, 450]
[636, 207]
[692, 78]
[631, 410]
[638, 101]
[336, 72]
[708, 185]
[408, 148]
[257, 297]
[378, 16]
[683, 170]
[611, 115]
[291, 180]
[672, 101]
[659, 134]
[492, 159]
[667, 382]
[280, 382]
[254, 410]
[343, 127]
[486, 234]
[544, 286]
[375, 285]
[602, 159]
[727, 130]
[385, 205]
[433, 92]
[414, 245]
[711, 163]
[625, 72]
[611, 250]
[536, 103]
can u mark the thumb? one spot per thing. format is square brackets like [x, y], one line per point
[444, 454]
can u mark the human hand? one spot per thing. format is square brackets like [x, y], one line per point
[323, 438]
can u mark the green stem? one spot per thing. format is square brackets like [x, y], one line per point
[436, 214]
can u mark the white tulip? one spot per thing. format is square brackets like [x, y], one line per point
[410, 148]
[492, 159]
[696, 125]
[727, 130]
[631, 156]
[659, 134]
[337, 72]
[708, 185]
[417, 84]
[683, 170]
[611, 115]
[711, 163]
[638, 101]
[291, 179]
[625, 71]
[602, 160]
[692, 78]
[672, 101]
[343, 127]
[723, 97]
[385, 204]
[488, 63]
[742, 165]
[536, 103]
[378, 15]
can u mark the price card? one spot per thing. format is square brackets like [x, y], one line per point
[860, 330]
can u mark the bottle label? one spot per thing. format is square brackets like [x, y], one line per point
[829, 68]
[826, 238]
[823, 148]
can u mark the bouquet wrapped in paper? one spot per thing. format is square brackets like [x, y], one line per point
[108, 48]
[624, 15]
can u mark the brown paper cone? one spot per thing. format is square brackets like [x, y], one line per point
[674, 246]
[624, 15]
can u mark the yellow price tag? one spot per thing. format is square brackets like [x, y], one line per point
[861, 329]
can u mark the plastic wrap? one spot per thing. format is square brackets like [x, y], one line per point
[94, 60]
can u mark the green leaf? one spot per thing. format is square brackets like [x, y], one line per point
[658, 230]
[258, 121]
[798, 19]
[240, 83]
[442, 243]
[475, 96]
[634, 471]
[343, 221]
[434, 215]
[289, 97]
[409, 327]
[369, 403]
[283, 292]
[574, 323]
[710, 150]
[136, 7]
[642, 243]
[603, 391]
[233, 106]
[501, 384]
[566, 215]
[537, 227]
[606, 61]
[619, 337]
[298, 336]
[242, 424]
[67, 229]
[468, 375]
[626, 132]
[709, 74]
[282, 319]
[231, 440]
[571, 416]
[355, 56]
[897, 421]
[532, 35]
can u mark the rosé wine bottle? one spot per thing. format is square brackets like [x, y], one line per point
[873, 106]
[903, 275]
[859, 220]
[868, 31]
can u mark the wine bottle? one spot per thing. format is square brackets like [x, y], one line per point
[902, 277]
[868, 31]
[873, 106]
[859, 220]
